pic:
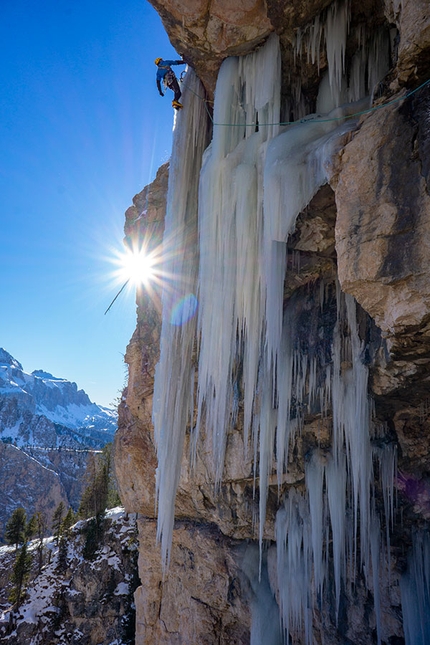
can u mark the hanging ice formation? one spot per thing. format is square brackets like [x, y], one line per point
[256, 177]
[174, 379]
[415, 592]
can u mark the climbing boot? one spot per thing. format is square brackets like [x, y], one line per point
[177, 105]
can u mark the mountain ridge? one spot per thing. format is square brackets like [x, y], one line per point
[41, 394]
[48, 428]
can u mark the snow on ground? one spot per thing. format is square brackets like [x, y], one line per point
[39, 607]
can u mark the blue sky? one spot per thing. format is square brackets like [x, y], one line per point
[82, 130]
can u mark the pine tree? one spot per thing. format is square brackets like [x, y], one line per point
[15, 528]
[100, 492]
[20, 575]
[68, 522]
[62, 554]
[57, 521]
[41, 528]
[30, 528]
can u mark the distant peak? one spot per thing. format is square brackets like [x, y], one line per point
[8, 359]
[43, 374]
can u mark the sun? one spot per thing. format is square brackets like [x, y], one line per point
[136, 266]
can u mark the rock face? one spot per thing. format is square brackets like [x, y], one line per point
[206, 32]
[353, 323]
[25, 482]
[383, 249]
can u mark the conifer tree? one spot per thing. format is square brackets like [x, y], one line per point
[68, 522]
[91, 502]
[100, 492]
[15, 528]
[20, 574]
[62, 553]
[41, 528]
[30, 528]
[57, 521]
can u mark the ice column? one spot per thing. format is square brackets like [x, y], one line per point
[265, 620]
[318, 531]
[295, 168]
[174, 375]
[230, 226]
[351, 420]
[294, 565]
[415, 592]
[368, 66]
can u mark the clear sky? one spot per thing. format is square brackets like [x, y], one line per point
[82, 130]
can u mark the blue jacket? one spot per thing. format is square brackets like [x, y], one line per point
[164, 66]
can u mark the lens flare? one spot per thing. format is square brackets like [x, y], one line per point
[183, 310]
[148, 264]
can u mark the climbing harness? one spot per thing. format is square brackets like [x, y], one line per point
[169, 78]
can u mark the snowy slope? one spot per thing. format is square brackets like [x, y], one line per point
[83, 601]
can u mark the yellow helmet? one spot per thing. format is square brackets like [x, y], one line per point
[158, 60]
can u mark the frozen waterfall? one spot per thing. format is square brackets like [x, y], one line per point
[231, 209]
[174, 378]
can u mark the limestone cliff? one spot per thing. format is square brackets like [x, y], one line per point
[283, 498]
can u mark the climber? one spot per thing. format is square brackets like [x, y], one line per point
[167, 75]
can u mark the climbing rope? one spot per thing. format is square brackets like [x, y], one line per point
[310, 118]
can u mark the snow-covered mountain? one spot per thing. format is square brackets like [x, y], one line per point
[32, 406]
[53, 427]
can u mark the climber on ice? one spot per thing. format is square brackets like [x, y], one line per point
[167, 75]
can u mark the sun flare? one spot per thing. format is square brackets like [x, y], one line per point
[142, 265]
[136, 266]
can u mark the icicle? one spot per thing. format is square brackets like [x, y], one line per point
[267, 422]
[387, 457]
[314, 485]
[334, 23]
[294, 170]
[230, 218]
[367, 67]
[357, 73]
[173, 400]
[379, 58]
[357, 429]
[336, 494]
[285, 426]
[351, 419]
[254, 182]
[315, 36]
[415, 592]
[265, 621]
[294, 565]
[336, 30]
[375, 547]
